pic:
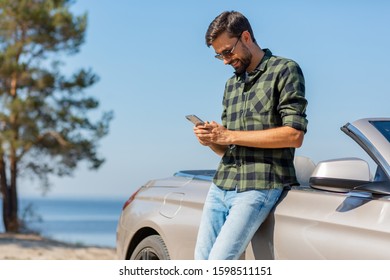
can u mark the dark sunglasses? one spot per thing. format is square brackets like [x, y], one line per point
[228, 53]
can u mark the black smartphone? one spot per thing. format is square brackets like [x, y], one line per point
[194, 119]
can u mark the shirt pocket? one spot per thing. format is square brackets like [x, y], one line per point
[260, 101]
[260, 110]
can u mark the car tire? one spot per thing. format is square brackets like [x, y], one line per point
[151, 248]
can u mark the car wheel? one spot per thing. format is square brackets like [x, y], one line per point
[151, 248]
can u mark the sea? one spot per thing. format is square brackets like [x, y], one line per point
[91, 222]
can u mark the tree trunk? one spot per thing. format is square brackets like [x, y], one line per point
[4, 192]
[14, 223]
[10, 198]
[10, 205]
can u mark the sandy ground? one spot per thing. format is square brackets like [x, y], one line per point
[35, 247]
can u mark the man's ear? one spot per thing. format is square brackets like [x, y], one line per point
[246, 37]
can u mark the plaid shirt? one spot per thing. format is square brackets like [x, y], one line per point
[273, 95]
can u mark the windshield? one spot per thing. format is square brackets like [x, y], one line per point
[383, 127]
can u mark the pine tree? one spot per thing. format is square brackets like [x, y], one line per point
[45, 128]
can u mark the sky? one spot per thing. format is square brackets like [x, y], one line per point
[155, 68]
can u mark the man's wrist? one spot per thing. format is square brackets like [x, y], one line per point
[232, 137]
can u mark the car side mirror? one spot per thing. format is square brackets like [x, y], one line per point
[340, 175]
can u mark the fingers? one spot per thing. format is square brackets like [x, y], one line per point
[207, 133]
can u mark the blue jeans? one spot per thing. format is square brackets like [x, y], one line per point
[230, 220]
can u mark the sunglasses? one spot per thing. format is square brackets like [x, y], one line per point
[228, 53]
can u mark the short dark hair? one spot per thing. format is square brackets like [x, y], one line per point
[232, 22]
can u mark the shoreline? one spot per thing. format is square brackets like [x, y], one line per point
[19, 246]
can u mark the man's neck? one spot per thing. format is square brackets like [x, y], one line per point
[257, 56]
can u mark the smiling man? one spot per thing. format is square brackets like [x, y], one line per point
[263, 121]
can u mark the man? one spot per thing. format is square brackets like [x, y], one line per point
[263, 121]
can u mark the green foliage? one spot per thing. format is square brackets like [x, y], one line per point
[44, 121]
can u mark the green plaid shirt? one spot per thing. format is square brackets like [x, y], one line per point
[273, 95]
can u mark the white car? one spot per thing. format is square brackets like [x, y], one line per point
[339, 211]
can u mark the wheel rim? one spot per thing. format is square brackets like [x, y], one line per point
[147, 254]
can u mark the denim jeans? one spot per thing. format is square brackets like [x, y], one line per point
[230, 220]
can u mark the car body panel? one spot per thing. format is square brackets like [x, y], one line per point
[339, 211]
[309, 226]
[151, 205]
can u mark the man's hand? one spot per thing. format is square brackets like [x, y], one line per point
[220, 135]
[212, 133]
[207, 134]
[203, 133]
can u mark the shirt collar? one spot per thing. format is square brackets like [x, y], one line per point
[263, 63]
[259, 68]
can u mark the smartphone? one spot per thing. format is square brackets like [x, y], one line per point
[194, 119]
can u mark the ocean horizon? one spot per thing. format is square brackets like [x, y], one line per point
[86, 221]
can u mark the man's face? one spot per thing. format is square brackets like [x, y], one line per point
[233, 51]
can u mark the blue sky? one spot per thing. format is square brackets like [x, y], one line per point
[155, 68]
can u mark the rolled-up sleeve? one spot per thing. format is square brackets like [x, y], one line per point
[292, 101]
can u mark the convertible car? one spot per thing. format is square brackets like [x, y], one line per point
[340, 210]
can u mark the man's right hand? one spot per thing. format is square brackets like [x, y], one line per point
[203, 133]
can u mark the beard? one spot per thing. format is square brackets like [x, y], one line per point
[242, 63]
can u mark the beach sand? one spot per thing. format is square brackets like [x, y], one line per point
[35, 247]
